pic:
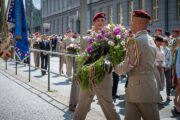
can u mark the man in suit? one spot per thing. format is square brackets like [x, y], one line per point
[142, 90]
[44, 45]
[103, 90]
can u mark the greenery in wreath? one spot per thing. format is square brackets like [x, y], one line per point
[73, 48]
[36, 45]
[105, 50]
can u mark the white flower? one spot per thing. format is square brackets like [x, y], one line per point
[118, 36]
[111, 43]
[71, 45]
[122, 42]
[108, 26]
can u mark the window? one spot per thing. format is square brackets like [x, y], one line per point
[110, 13]
[120, 17]
[155, 10]
[142, 4]
[101, 10]
[130, 9]
[93, 12]
[179, 9]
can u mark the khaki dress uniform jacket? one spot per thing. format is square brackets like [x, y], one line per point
[103, 91]
[142, 90]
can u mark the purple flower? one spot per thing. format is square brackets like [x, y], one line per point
[117, 31]
[99, 37]
[107, 35]
[91, 40]
[89, 48]
[103, 31]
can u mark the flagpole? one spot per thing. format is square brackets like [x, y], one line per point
[4, 26]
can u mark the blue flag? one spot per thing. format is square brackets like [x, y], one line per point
[16, 16]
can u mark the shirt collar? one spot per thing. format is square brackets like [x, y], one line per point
[140, 33]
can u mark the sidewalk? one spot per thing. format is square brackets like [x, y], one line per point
[61, 86]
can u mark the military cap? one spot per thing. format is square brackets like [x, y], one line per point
[159, 29]
[68, 31]
[167, 33]
[148, 30]
[176, 30]
[36, 33]
[99, 15]
[159, 38]
[141, 13]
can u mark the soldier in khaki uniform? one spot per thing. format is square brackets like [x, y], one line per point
[103, 90]
[74, 95]
[142, 90]
[67, 41]
[35, 45]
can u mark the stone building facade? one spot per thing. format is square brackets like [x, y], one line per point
[64, 14]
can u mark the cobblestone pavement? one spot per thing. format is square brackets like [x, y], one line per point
[41, 105]
[18, 103]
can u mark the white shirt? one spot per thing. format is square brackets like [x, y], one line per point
[160, 57]
[168, 58]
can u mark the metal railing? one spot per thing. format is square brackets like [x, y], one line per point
[49, 53]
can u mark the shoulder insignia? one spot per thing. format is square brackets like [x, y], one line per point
[131, 41]
[132, 52]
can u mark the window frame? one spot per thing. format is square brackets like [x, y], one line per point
[110, 13]
[101, 9]
[130, 9]
[119, 14]
[178, 9]
[142, 4]
[155, 10]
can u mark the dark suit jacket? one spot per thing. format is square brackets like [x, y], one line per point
[44, 45]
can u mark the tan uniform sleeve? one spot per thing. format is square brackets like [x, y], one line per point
[131, 58]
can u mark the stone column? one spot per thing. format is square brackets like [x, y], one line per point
[83, 17]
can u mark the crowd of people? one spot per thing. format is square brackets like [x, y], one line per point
[157, 67]
[54, 43]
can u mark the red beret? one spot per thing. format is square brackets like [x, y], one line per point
[176, 30]
[159, 29]
[68, 31]
[148, 30]
[99, 15]
[36, 33]
[142, 14]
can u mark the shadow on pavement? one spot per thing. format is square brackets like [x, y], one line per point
[31, 70]
[67, 82]
[38, 76]
[57, 75]
[68, 115]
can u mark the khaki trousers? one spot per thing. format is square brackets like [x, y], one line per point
[103, 92]
[36, 58]
[148, 111]
[69, 65]
[74, 95]
[61, 62]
